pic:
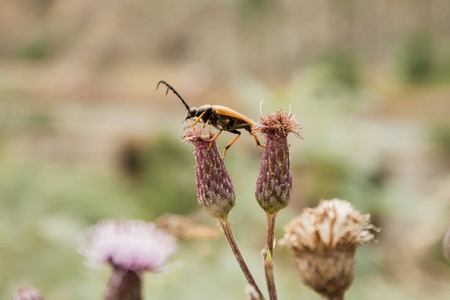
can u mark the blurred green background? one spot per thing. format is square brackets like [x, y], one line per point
[84, 136]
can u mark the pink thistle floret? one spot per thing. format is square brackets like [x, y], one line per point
[27, 293]
[279, 123]
[132, 245]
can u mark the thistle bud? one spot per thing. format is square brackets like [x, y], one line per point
[274, 184]
[215, 191]
[324, 240]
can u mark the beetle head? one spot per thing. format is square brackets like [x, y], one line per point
[193, 112]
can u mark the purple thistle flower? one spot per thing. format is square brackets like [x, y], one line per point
[130, 247]
[274, 184]
[128, 244]
[27, 293]
[215, 190]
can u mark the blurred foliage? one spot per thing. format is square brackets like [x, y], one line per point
[337, 176]
[333, 73]
[36, 47]
[249, 9]
[439, 135]
[18, 114]
[328, 175]
[162, 175]
[443, 66]
[415, 58]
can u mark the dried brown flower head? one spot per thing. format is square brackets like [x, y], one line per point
[215, 190]
[185, 228]
[274, 184]
[324, 240]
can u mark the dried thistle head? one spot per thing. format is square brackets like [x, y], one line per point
[324, 240]
[185, 228]
[274, 184]
[215, 190]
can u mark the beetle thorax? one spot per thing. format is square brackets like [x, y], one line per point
[205, 110]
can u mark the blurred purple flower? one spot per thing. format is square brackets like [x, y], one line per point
[128, 244]
[27, 293]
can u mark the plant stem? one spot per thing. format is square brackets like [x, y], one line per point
[226, 227]
[123, 284]
[268, 256]
[341, 297]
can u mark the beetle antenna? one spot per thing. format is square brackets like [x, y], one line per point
[169, 87]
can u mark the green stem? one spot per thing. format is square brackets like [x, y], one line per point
[340, 297]
[268, 256]
[123, 284]
[226, 227]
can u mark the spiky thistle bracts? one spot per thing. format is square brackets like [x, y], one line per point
[324, 240]
[274, 183]
[215, 190]
[334, 224]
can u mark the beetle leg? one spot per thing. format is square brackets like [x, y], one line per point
[214, 138]
[248, 128]
[232, 142]
[198, 119]
[257, 141]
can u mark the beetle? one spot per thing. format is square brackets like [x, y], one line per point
[220, 117]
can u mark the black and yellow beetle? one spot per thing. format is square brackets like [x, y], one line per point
[220, 117]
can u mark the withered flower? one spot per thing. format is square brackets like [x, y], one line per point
[274, 184]
[215, 191]
[185, 228]
[324, 240]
